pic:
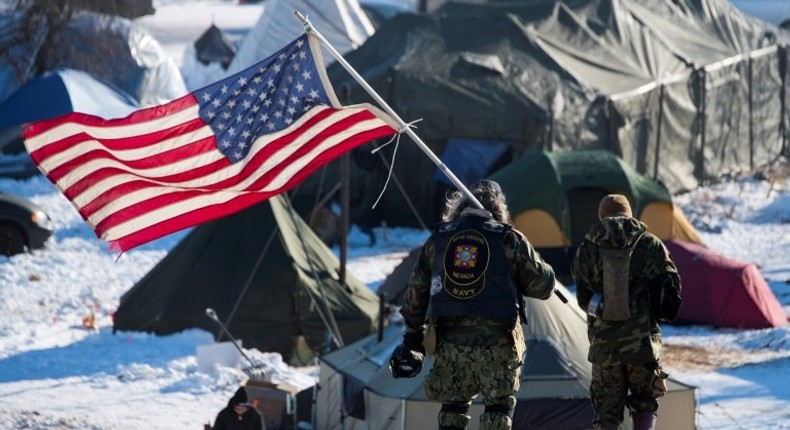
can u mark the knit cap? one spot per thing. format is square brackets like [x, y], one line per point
[614, 205]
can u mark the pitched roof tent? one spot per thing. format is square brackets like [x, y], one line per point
[265, 273]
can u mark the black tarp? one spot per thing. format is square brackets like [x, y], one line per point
[684, 91]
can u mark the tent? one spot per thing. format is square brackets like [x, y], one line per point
[65, 90]
[723, 292]
[271, 281]
[553, 199]
[342, 22]
[214, 47]
[111, 48]
[358, 392]
[682, 91]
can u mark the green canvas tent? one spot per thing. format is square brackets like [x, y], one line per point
[357, 391]
[270, 279]
[683, 91]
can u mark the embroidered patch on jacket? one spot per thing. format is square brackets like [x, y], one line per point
[465, 264]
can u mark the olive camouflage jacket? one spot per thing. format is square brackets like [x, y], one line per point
[638, 339]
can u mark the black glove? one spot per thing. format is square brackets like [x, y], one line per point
[406, 360]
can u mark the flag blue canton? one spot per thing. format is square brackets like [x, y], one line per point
[262, 99]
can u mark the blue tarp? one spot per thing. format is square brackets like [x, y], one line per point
[469, 159]
[60, 92]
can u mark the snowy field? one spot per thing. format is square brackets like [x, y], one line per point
[55, 374]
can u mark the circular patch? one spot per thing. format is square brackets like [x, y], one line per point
[465, 264]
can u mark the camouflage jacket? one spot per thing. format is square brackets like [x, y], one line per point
[533, 278]
[638, 339]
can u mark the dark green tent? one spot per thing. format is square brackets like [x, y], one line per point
[269, 278]
[682, 91]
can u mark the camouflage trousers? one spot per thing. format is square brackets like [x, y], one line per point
[461, 372]
[611, 384]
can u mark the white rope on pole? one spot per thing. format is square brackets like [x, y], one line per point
[404, 127]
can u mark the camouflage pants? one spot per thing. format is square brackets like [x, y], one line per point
[610, 386]
[461, 372]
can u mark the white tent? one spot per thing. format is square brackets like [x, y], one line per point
[342, 22]
[357, 391]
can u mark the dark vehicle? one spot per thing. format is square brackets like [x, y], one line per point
[23, 225]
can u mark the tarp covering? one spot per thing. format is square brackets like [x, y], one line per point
[111, 48]
[682, 91]
[723, 292]
[269, 278]
[357, 391]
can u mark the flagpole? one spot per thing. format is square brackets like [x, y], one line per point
[308, 26]
[404, 127]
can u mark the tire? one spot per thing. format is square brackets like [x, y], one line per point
[12, 240]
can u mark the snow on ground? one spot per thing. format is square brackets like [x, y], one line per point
[55, 374]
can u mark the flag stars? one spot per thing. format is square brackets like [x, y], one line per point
[299, 87]
[246, 104]
[224, 89]
[225, 115]
[242, 81]
[216, 103]
[206, 97]
[313, 94]
[251, 92]
[245, 134]
[225, 143]
[277, 68]
[291, 110]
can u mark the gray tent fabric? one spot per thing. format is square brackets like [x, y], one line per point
[683, 91]
[269, 278]
[358, 392]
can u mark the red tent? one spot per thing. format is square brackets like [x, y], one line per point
[721, 291]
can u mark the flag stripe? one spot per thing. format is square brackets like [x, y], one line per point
[134, 203]
[223, 174]
[206, 155]
[217, 203]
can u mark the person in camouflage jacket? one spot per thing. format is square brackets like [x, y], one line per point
[619, 270]
[467, 285]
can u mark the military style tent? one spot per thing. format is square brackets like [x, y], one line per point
[271, 281]
[723, 292]
[342, 22]
[358, 392]
[683, 91]
[553, 199]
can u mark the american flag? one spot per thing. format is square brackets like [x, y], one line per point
[206, 155]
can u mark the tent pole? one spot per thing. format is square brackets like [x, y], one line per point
[404, 128]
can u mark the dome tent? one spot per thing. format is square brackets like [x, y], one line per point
[553, 199]
[723, 292]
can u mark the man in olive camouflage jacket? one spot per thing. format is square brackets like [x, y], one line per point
[468, 285]
[622, 275]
